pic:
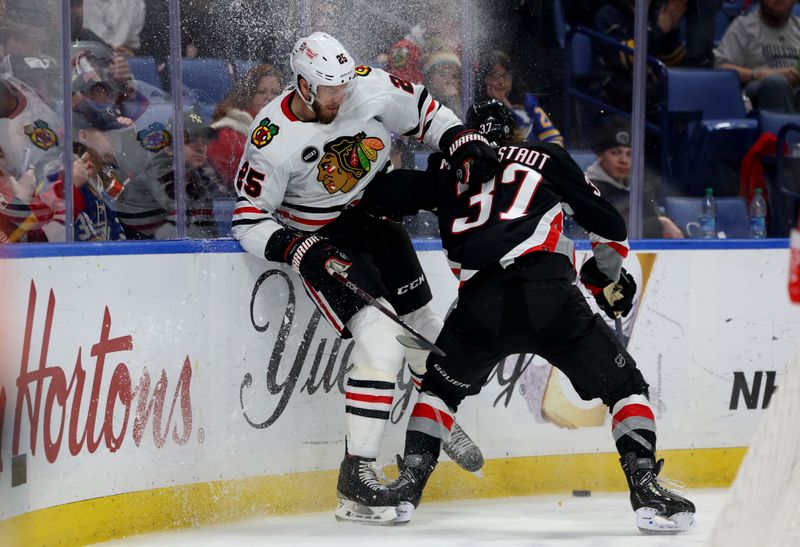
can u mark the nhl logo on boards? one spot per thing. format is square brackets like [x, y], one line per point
[310, 154]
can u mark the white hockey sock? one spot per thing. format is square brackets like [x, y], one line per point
[368, 406]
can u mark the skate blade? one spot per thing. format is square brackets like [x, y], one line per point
[351, 511]
[651, 523]
[405, 510]
[472, 462]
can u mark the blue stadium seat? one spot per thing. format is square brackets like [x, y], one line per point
[584, 158]
[705, 118]
[732, 218]
[144, 69]
[715, 93]
[243, 66]
[210, 78]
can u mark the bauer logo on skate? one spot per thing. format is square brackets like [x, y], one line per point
[87, 410]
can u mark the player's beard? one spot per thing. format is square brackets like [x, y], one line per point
[322, 116]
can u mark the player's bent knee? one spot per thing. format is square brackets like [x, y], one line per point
[376, 349]
[635, 385]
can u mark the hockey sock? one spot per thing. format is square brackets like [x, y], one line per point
[368, 405]
[428, 426]
[633, 426]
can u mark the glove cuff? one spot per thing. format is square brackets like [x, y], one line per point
[593, 279]
[456, 137]
[298, 249]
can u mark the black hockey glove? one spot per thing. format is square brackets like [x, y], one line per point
[615, 299]
[469, 154]
[311, 256]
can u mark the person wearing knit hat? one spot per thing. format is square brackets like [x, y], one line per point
[611, 174]
[442, 76]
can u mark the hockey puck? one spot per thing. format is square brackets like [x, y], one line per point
[581, 493]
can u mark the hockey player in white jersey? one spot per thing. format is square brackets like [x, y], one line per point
[311, 153]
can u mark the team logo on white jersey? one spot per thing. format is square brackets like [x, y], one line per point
[154, 138]
[346, 161]
[264, 133]
[362, 70]
[41, 135]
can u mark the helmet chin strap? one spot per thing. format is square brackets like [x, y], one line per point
[308, 102]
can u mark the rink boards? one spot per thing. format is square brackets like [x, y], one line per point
[151, 391]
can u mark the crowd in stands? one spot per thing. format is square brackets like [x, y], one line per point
[124, 147]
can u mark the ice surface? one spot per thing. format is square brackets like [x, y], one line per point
[601, 520]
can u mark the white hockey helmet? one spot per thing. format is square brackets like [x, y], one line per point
[321, 60]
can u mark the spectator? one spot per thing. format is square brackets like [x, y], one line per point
[101, 76]
[117, 22]
[235, 113]
[93, 177]
[611, 175]
[39, 72]
[700, 23]
[405, 56]
[763, 47]
[29, 134]
[77, 29]
[147, 204]
[497, 82]
[432, 35]
[442, 76]
[616, 19]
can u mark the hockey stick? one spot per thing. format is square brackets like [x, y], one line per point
[415, 341]
[618, 331]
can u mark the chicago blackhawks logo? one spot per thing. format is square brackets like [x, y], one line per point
[154, 138]
[264, 133]
[362, 70]
[346, 161]
[41, 135]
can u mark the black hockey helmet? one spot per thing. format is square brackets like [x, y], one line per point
[492, 118]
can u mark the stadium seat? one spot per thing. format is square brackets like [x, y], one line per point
[243, 66]
[210, 78]
[732, 218]
[582, 94]
[584, 158]
[705, 118]
[782, 170]
[144, 69]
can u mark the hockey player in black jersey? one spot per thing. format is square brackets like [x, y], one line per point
[504, 240]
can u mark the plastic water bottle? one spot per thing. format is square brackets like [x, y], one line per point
[708, 216]
[758, 213]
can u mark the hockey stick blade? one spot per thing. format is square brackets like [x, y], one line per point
[415, 341]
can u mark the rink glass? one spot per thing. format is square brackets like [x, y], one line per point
[553, 64]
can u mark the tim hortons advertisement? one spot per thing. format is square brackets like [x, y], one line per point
[127, 373]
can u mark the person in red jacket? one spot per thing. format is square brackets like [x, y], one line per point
[235, 113]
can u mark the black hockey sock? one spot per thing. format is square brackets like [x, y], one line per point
[421, 444]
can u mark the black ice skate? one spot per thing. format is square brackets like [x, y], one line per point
[414, 472]
[658, 510]
[463, 450]
[362, 497]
